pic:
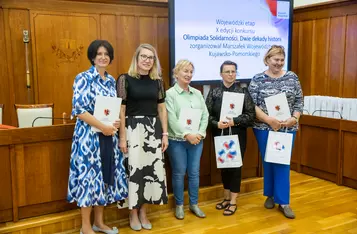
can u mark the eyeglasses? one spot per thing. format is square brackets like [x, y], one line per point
[145, 57]
[229, 72]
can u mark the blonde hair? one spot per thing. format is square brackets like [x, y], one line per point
[180, 65]
[155, 71]
[274, 50]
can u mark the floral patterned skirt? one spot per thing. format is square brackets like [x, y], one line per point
[146, 168]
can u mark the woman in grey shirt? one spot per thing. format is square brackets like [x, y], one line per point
[269, 83]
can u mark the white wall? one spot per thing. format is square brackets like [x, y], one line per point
[298, 3]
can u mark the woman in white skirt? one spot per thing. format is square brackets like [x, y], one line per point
[143, 136]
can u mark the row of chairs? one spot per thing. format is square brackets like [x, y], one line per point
[32, 115]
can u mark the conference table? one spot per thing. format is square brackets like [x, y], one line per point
[35, 163]
[34, 170]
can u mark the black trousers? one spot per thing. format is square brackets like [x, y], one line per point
[232, 177]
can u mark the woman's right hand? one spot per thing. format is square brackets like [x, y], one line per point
[223, 125]
[274, 123]
[109, 130]
[123, 145]
[192, 138]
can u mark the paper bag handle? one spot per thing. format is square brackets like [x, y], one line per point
[230, 131]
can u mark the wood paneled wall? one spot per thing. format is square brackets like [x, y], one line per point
[324, 48]
[324, 37]
[60, 32]
[326, 148]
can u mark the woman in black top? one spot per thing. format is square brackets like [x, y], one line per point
[143, 136]
[231, 177]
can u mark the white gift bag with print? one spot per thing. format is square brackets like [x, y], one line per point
[227, 149]
[279, 147]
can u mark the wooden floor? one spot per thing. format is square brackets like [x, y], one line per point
[320, 207]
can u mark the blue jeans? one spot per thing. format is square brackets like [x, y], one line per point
[276, 176]
[185, 157]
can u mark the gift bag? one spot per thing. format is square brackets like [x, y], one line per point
[279, 147]
[227, 150]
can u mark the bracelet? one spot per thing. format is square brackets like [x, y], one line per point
[165, 134]
[296, 118]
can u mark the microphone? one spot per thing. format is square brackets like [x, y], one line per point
[43, 117]
[328, 111]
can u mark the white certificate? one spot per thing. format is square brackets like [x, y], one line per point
[106, 110]
[190, 119]
[278, 107]
[232, 105]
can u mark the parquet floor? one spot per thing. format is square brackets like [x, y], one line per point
[320, 207]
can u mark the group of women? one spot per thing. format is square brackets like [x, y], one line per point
[126, 160]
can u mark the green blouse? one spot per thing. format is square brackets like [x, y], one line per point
[176, 99]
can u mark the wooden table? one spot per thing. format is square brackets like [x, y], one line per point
[35, 165]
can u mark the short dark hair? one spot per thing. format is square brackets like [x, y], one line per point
[93, 49]
[228, 63]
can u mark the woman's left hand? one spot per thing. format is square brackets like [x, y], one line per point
[289, 122]
[165, 143]
[116, 124]
[230, 122]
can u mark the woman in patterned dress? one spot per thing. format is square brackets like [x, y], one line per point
[143, 136]
[97, 176]
[269, 83]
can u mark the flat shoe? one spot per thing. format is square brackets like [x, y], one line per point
[269, 203]
[147, 226]
[179, 213]
[230, 212]
[134, 227]
[113, 231]
[287, 211]
[197, 211]
[220, 206]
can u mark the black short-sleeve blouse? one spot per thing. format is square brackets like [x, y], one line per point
[140, 95]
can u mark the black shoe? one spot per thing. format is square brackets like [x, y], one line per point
[221, 205]
[228, 211]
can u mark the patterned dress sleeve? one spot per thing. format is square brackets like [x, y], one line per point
[162, 93]
[299, 99]
[247, 118]
[81, 95]
[253, 89]
[122, 87]
[209, 103]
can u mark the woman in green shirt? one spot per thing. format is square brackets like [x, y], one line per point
[185, 146]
